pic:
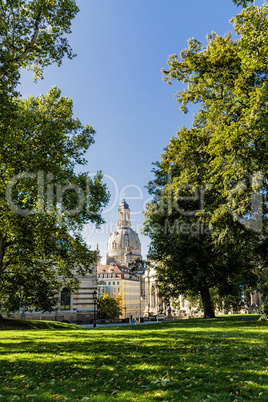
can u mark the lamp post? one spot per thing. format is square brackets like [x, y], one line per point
[95, 305]
[125, 311]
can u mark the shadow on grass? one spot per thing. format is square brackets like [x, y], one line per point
[222, 358]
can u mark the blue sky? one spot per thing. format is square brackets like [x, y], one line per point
[116, 86]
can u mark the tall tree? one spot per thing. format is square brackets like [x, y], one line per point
[43, 201]
[190, 256]
[226, 148]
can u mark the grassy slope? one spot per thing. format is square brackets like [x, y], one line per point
[218, 360]
[32, 324]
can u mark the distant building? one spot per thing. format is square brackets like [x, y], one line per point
[72, 307]
[124, 246]
[117, 278]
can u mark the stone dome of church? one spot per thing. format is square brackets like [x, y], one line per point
[124, 245]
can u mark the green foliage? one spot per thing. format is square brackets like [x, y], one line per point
[35, 245]
[109, 307]
[243, 3]
[208, 214]
[224, 359]
[33, 36]
[43, 198]
[33, 33]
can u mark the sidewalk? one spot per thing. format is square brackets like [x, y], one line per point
[119, 324]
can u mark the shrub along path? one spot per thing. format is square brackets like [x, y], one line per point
[223, 359]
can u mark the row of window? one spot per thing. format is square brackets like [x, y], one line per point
[105, 276]
[102, 290]
[110, 283]
[114, 244]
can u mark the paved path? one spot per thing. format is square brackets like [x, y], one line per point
[119, 324]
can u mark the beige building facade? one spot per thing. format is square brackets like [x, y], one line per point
[73, 307]
[117, 280]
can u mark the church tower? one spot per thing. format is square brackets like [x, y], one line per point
[124, 245]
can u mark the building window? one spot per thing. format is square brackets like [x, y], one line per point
[105, 275]
[113, 283]
[65, 299]
[118, 283]
[101, 276]
[114, 245]
[109, 283]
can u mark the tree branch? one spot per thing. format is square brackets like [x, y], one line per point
[32, 42]
[13, 32]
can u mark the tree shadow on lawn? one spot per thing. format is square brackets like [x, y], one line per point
[139, 362]
[133, 374]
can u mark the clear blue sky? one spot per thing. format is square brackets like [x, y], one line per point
[116, 86]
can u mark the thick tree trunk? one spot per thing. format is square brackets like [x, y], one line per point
[208, 309]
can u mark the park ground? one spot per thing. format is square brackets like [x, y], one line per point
[222, 359]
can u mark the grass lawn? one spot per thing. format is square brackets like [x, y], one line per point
[223, 359]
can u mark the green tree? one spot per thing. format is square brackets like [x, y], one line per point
[109, 307]
[192, 256]
[44, 202]
[223, 156]
[33, 36]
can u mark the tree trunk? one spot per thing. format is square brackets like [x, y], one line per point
[208, 309]
[2, 252]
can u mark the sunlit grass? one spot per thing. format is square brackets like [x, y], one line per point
[219, 360]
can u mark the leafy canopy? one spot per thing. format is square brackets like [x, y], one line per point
[109, 307]
[33, 33]
[243, 3]
[42, 197]
[35, 243]
[215, 173]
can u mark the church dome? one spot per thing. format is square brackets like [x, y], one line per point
[124, 245]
